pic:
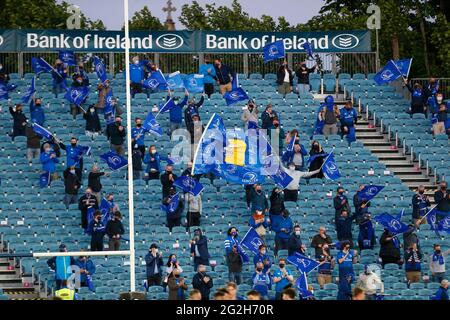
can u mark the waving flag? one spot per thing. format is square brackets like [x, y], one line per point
[281, 178]
[369, 192]
[252, 241]
[42, 131]
[44, 179]
[303, 264]
[100, 69]
[174, 81]
[330, 169]
[82, 151]
[77, 95]
[315, 156]
[194, 83]
[31, 90]
[237, 174]
[302, 286]
[438, 225]
[110, 110]
[166, 107]
[309, 51]
[114, 160]
[172, 206]
[189, 185]
[290, 145]
[39, 65]
[235, 96]
[67, 57]
[274, 51]
[104, 207]
[389, 73]
[155, 80]
[404, 66]
[151, 125]
[391, 223]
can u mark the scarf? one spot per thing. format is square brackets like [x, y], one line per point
[438, 258]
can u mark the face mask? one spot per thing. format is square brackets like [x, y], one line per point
[174, 260]
[234, 234]
[437, 251]
[92, 110]
[72, 171]
[297, 233]
[259, 269]
[169, 172]
[73, 144]
[276, 125]
[38, 104]
[439, 100]
[291, 167]
[153, 151]
[443, 187]
[80, 81]
[136, 62]
[263, 252]
[282, 265]
[421, 192]
[118, 123]
[139, 125]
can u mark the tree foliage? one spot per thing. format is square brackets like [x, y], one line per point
[144, 20]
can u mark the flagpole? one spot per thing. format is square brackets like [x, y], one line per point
[420, 221]
[199, 143]
[129, 146]
[326, 159]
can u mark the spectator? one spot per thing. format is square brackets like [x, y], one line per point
[172, 264]
[167, 180]
[330, 114]
[83, 74]
[116, 133]
[260, 223]
[263, 257]
[419, 98]
[87, 269]
[94, 182]
[37, 112]
[261, 281]
[346, 258]
[154, 263]
[442, 292]
[442, 198]
[366, 236]
[209, 74]
[410, 237]
[103, 90]
[202, 282]
[175, 209]
[59, 75]
[283, 229]
[276, 135]
[258, 199]
[325, 269]
[136, 76]
[76, 84]
[437, 263]
[232, 240]
[195, 129]
[221, 294]
[413, 264]
[232, 289]
[291, 191]
[153, 161]
[303, 77]
[440, 122]
[316, 164]
[88, 200]
[49, 160]
[340, 203]
[282, 278]
[176, 113]
[93, 127]
[250, 113]
[288, 294]
[420, 203]
[267, 117]
[115, 230]
[234, 263]
[389, 249]
[360, 204]
[348, 118]
[74, 156]
[344, 227]
[295, 243]
[345, 288]
[53, 144]
[195, 295]
[224, 76]
[138, 137]
[97, 231]
[194, 209]
[370, 282]
[136, 159]
[19, 121]
[296, 156]
[320, 240]
[199, 249]
[434, 102]
[176, 285]
[276, 204]
[193, 108]
[359, 294]
[65, 293]
[253, 295]
[71, 186]
[33, 143]
[285, 79]
[60, 265]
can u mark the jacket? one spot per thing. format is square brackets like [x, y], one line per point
[317, 242]
[413, 260]
[344, 228]
[276, 203]
[136, 159]
[136, 73]
[138, 136]
[115, 136]
[266, 119]
[303, 74]
[60, 265]
[151, 261]
[114, 227]
[33, 139]
[199, 284]
[193, 203]
[153, 162]
[288, 156]
[178, 211]
[208, 77]
[388, 248]
[87, 265]
[283, 223]
[280, 76]
[37, 113]
[248, 115]
[443, 204]
[338, 206]
[258, 201]
[176, 113]
[86, 201]
[166, 183]
[96, 230]
[92, 121]
[48, 164]
[201, 247]
[224, 74]
[294, 244]
[234, 260]
[441, 294]
[72, 155]
[71, 182]
[94, 181]
[264, 259]
[176, 290]
[418, 99]
[18, 119]
[349, 117]
[190, 110]
[296, 177]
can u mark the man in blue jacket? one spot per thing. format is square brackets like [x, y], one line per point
[138, 136]
[153, 161]
[263, 258]
[37, 112]
[49, 160]
[199, 249]
[87, 269]
[61, 266]
[283, 229]
[442, 293]
[154, 264]
[258, 199]
[209, 73]
[176, 113]
[74, 156]
[136, 76]
[224, 76]
[348, 119]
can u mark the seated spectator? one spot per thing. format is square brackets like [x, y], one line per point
[283, 229]
[195, 295]
[199, 249]
[115, 230]
[437, 263]
[72, 185]
[154, 264]
[261, 281]
[348, 118]
[389, 249]
[371, 283]
[153, 161]
[33, 143]
[282, 278]
[97, 231]
[87, 269]
[36, 111]
[288, 294]
[250, 113]
[413, 264]
[295, 242]
[260, 223]
[49, 160]
[346, 258]
[202, 282]
[442, 292]
[19, 121]
[93, 127]
[177, 285]
[253, 295]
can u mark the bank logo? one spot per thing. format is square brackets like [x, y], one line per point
[345, 41]
[1, 40]
[169, 41]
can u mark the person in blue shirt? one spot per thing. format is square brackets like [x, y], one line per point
[138, 137]
[442, 292]
[87, 269]
[366, 236]
[49, 160]
[61, 266]
[37, 112]
[283, 229]
[153, 162]
[413, 263]
[209, 73]
[73, 158]
[345, 288]
[176, 113]
[348, 118]
[263, 257]
[282, 278]
[137, 76]
[59, 75]
[346, 258]
[83, 74]
[261, 281]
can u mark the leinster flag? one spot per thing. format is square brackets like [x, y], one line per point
[42, 131]
[309, 51]
[174, 81]
[151, 125]
[44, 179]
[166, 107]
[189, 185]
[82, 151]
[110, 110]
[114, 161]
[39, 65]
[389, 73]
[330, 169]
[404, 66]
[274, 51]
[77, 95]
[252, 241]
[302, 286]
[303, 264]
[100, 69]
[155, 80]
[369, 192]
[235, 96]
[172, 206]
[31, 90]
[281, 178]
[194, 83]
[67, 57]
[391, 223]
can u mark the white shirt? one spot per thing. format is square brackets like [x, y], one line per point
[370, 283]
[286, 76]
[296, 176]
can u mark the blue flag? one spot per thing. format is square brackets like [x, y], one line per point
[281, 178]
[309, 51]
[82, 151]
[104, 207]
[110, 110]
[315, 156]
[388, 74]
[290, 145]
[237, 174]
[39, 65]
[151, 125]
[235, 82]
[194, 83]
[404, 66]
[436, 224]
[274, 51]
[235, 96]
[174, 81]
[3, 92]
[155, 80]
[77, 95]
[252, 241]
[67, 57]
[303, 264]
[172, 206]
[369, 192]
[100, 69]
[114, 160]
[166, 107]
[31, 90]
[189, 185]
[302, 286]
[330, 169]
[44, 179]
[391, 223]
[42, 131]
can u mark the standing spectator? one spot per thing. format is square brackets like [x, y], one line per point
[97, 231]
[267, 117]
[442, 292]
[370, 283]
[73, 155]
[76, 84]
[258, 199]
[276, 204]
[136, 76]
[176, 113]
[49, 160]
[320, 240]
[202, 282]
[250, 113]
[418, 98]
[295, 243]
[344, 227]
[340, 203]
[345, 288]
[413, 264]
[37, 112]
[93, 127]
[115, 230]
[439, 120]
[199, 249]
[232, 239]
[283, 229]
[177, 285]
[291, 191]
[437, 263]
[296, 156]
[53, 144]
[87, 269]
[224, 76]
[282, 278]
[195, 130]
[194, 209]
[389, 249]
[260, 223]
[83, 74]
[442, 198]
[316, 164]
[276, 135]
[71, 186]
[348, 118]
[346, 258]
[325, 269]
[94, 182]
[410, 237]
[330, 114]
[360, 204]
[167, 180]
[59, 75]
[154, 263]
[263, 257]
[261, 281]
[33, 143]
[193, 108]
[136, 159]
[234, 263]
[19, 121]
[61, 266]
[366, 236]
[209, 74]
[285, 79]
[103, 90]
[116, 133]
[153, 161]
[175, 209]
[171, 265]
[303, 77]
[138, 137]
[88, 200]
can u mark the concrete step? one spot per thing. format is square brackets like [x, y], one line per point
[369, 135]
[399, 164]
[367, 129]
[391, 157]
[383, 150]
[369, 143]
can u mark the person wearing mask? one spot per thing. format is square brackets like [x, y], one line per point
[103, 90]
[263, 257]
[72, 185]
[138, 137]
[177, 285]
[419, 98]
[319, 241]
[97, 231]
[366, 236]
[325, 269]
[199, 248]
[295, 243]
[346, 258]
[195, 129]
[37, 111]
[291, 191]
[276, 135]
[76, 84]
[137, 76]
[442, 292]
[54, 144]
[176, 113]
[261, 281]
[136, 159]
[316, 164]
[194, 209]
[153, 161]
[360, 204]
[87, 270]
[389, 249]
[59, 75]
[283, 229]
[202, 282]
[81, 71]
[224, 76]
[94, 182]
[371, 283]
[33, 143]
[276, 204]
[167, 179]
[442, 198]
[19, 121]
[434, 102]
[234, 263]
[74, 156]
[174, 209]
[267, 117]
[93, 127]
[208, 71]
[410, 237]
[49, 160]
[282, 278]
[258, 199]
[192, 108]
[171, 265]
[340, 202]
[348, 119]
[296, 156]
[116, 134]
[413, 264]
[114, 231]
[61, 266]
[260, 222]
[344, 227]
[303, 77]
[330, 115]
[154, 264]
[88, 200]
[285, 79]
[437, 263]
[439, 120]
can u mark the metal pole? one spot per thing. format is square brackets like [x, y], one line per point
[20, 61]
[246, 71]
[81, 253]
[112, 64]
[130, 158]
[377, 56]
